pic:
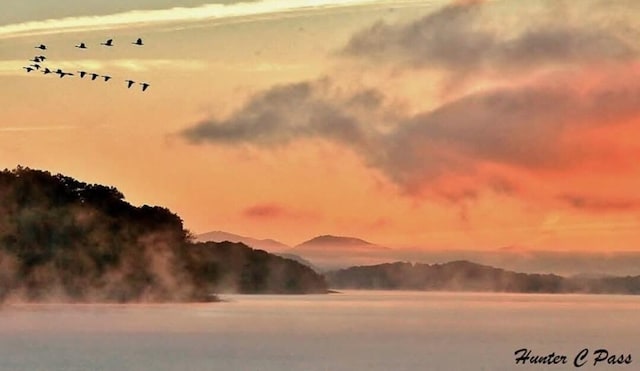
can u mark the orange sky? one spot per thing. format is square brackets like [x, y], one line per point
[468, 125]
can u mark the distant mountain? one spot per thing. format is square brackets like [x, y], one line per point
[321, 253]
[328, 252]
[273, 246]
[332, 252]
[265, 244]
[468, 276]
[337, 242]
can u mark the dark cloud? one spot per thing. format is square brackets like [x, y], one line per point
[444, 38]
[599, 204]
[521, 127]
[462, 38]
[265, 211]
[516, 126]
[367, 99]
[275, 211]
[282, 114]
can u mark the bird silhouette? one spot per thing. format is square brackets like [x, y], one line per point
[36, 66]
[138, 42]
[35, 59]
[82, 73]
[63, 74]
[41, 47]
[106, 78]
[81, 46]
[46, 71]
[59, 71]
[94, 76]
[129, 83]
[29, 69]
[107, 43]
[144, 85]
[41, 57]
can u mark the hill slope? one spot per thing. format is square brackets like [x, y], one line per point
[234, 267]
[265, 244]
[66, 240]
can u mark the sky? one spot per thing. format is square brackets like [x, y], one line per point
[430, 124]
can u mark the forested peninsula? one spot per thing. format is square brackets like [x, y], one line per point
[64, 240]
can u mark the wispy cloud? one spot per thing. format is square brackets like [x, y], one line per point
[599, 204]
[37, 128]
[461, 38]
[265, 9]
[271, 211]
[14, 67]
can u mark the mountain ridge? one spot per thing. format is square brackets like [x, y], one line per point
[267, 244]
[328, 239]
[463, 275]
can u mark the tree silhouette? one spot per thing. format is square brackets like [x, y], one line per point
[64, 239]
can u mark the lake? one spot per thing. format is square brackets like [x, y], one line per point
[353, 330]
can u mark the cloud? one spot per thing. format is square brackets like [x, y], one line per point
[159, 64]
[264, 211]
[573, 79]
[462, 38]
[280, 115]
[531, 127]
[274, 211]
[14, 67]
[242, 11]
[599, 204]
[38, 128]
[524, 127]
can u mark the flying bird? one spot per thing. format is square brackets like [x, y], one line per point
[35, 59]
[36, 66]
[106, 78]
[144, 86]
[59, 71]
[107, 43]
[94, 76]
[41, 47]
[65, 74]
[29, 69]
[129, 83]
[81, 46]
[82, 73]
[41, 57]
[46, 71]
[138, 42]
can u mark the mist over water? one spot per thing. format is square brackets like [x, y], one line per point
[349, 331]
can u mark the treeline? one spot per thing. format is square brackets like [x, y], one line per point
[65, 240]
[468, 276]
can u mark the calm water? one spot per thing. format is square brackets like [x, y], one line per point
[348, 331]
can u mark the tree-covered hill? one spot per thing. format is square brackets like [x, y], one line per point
[62, 239]
[453, 276]
[468, 276]
[234, 267]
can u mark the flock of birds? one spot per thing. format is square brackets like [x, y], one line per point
[39, 60]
